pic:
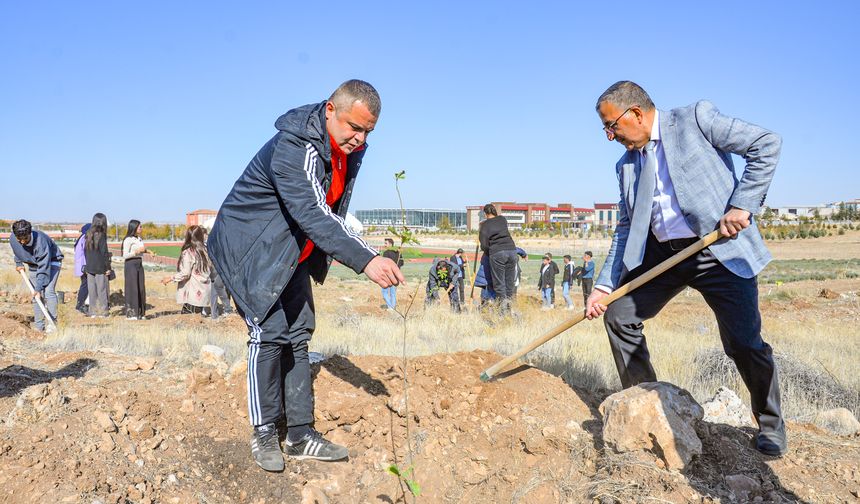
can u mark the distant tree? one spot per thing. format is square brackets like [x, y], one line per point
[768, 215]
[444, 223]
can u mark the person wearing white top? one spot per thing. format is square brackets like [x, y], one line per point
[135, 285]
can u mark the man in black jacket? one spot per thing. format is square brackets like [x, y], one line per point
[280, 226]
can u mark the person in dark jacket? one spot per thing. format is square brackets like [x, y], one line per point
[389, 294]
[280, 226]
[218, 290]
[444, 276]
[571, 272]
[546, 282]
[458, 260]
[555, 271]
[484, 280]
[35, 251]
[587, 276]
[496, 241]
[98, 266]
[82, 305]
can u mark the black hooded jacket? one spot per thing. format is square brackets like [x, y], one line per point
[276, 205]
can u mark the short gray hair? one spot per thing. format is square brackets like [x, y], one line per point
[355, 90]
[625, 94]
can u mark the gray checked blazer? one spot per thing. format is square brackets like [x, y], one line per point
[698, 140]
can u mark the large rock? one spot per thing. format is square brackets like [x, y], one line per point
[658, 417]
[727, 408]
[839, 421]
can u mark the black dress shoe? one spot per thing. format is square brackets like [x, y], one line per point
[772, 444]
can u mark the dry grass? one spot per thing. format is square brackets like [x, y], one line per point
[816, 339]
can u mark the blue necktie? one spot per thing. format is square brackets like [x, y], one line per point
[640, 223]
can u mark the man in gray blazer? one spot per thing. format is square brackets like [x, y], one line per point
[677, 184]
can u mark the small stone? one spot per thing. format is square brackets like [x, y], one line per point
[104, 421]
[107, 443]
[742, 486]
[213, 355]
[146, 363]
[187, 406]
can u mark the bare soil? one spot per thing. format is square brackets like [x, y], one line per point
[80, 427]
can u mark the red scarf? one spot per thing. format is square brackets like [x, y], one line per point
[335, 190]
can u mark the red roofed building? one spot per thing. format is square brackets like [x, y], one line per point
[198, 217]
[520, 215]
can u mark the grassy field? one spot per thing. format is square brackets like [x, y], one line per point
[166, 250]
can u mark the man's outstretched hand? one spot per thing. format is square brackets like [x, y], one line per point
[384, 272]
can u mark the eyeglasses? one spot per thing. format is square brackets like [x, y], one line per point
[610, 128]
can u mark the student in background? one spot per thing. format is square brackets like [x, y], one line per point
[389, 294]
[525, 257]
[458, 260]
[98, 267]
[546, 282]
[555, 271]
[496, 241]
[443, 276]
[484, 280]
[82, 304]
[36, 251]
[135, 284]
[587, 276]
[566, 280]
[219, 290]
[194, 286]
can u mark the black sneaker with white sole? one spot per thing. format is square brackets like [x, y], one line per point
[265, 448]
[315, 447]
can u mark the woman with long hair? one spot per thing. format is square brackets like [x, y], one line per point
[98, 266]
[135, 285]
[192, 273]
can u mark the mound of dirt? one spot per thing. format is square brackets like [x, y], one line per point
[86, 430]
[14, 325]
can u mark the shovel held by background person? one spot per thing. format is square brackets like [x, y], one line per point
[49, 320]
[646, 277]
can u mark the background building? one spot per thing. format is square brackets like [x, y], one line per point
[606, 215]
[418, 218]
[199, 217]
[520, 215]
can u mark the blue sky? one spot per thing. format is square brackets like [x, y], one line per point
[148, 110]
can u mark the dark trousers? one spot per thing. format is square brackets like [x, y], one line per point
[83, 292]
[734, 301]
[219, 291]
[279, 374]
[135, 288]
[462, 288]
[503, 267]
[587, 284]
